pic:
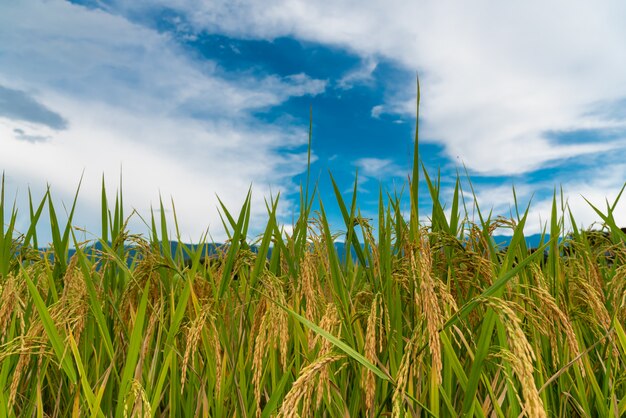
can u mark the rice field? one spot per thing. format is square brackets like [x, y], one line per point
[419, 319]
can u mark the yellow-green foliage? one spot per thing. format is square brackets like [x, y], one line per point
[429, 320]
[420, 320]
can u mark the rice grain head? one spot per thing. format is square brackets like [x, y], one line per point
[332, 324]
[617, 293]
[588, 295]
[191, 344]
[10, 301]
[368, 382]
[422, 264]
[138, 399]
[522, 357]
[301, 393]
[555, 321]
[409, 366]
[310, 286]
[273, 333]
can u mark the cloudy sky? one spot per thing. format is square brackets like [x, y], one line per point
[195, 99]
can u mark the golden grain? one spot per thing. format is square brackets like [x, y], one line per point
[430, 303]
[522, 355]
[302, 390]
[368, 382]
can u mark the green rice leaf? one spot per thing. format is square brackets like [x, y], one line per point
[54, 336]
[337, 343]
[132, 354]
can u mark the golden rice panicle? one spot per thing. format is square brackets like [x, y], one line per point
[551, 313]
[430, 303]
[154, 319]
[471, 271]
[261, 347]
[617, 293]
[257, 321]
[22, 365]
[33, 343]
[310, 286]
[590, 297]
[31, 340]
[145, 271]
[409, 366]
[594, 276]
[368, 382]
[371, 242]
[73, 305]
[532, 404]
[301, 393]
[447, 300]
[138, 399]
[522, 357]
[193, 337]
[273, 333]
[280, 321]
[10, 302]
[384, 324]
[593, 300]
[68, 313]
[217, 348]
[332, 324]
[318, 247]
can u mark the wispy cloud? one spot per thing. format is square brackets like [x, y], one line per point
[379, 167]
[22, 135]
[363, 74]
[495, 78]
[17, 104]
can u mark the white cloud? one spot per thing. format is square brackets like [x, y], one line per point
[363, 74]
[377, 111]
[496, 76]
[379, 167]
[373, 168]
[596, 186]
[134, 100]
[603, 187]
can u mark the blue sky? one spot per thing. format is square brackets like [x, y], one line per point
[193, 99]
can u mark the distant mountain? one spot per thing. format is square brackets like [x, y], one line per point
[532, 241]
[209, 249]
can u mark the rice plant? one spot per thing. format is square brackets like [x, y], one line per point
[418, 319]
